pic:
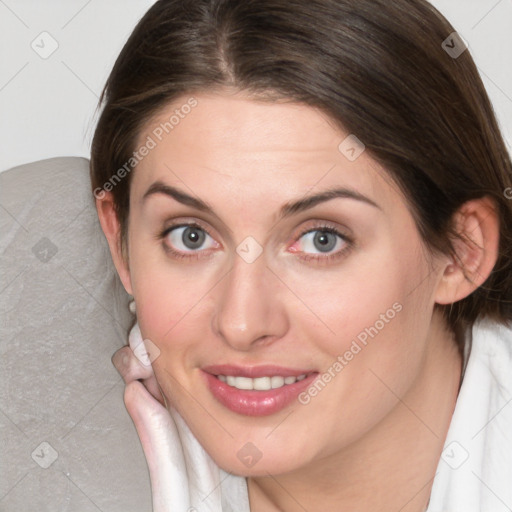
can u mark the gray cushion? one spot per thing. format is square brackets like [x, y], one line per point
[66, 440]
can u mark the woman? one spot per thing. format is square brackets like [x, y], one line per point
[307, 201]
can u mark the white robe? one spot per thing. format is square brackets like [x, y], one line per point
[474, 473]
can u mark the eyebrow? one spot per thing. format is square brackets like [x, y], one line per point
[287, 209]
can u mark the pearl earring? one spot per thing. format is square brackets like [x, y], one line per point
[131, 307]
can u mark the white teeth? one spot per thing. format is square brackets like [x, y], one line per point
[277, 382]
[259, 383]
[243, 383]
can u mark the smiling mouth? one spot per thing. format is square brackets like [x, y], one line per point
[267, 391]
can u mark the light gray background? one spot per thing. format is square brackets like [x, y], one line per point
[47, 106]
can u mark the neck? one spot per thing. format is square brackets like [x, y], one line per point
[393, 466]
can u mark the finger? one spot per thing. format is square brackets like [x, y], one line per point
[129, 366]
[162, 448]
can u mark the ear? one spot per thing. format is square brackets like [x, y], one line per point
[112, 230]
[476, 251]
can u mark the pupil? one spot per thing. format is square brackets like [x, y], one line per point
[324, 241]
[193, 237]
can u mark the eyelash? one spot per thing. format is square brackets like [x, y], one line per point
[196, 255]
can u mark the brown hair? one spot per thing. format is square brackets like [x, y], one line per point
[376, 67]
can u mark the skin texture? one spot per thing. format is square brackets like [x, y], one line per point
[372, 438]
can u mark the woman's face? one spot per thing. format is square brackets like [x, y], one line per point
[274, 272]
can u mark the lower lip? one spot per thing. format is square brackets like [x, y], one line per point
[256, 403]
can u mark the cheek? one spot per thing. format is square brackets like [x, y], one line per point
[375, 316]
[362, 296]
[167, 312]
[169, 298]
[385, 330]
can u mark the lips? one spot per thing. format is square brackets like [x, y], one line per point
[255, 402]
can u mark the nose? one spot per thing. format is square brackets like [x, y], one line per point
[249, 311]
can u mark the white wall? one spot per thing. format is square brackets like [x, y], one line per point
[47, 105]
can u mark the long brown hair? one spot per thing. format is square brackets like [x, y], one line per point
[378, 68]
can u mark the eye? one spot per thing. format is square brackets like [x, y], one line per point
[188, 238]
[322, 243]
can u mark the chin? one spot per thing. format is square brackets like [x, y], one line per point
[249, 461]
[260, 468]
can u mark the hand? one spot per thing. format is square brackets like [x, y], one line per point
[157, 432]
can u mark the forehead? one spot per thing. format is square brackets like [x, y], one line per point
[260, 124]
[238, 147]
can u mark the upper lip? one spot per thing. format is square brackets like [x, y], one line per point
[254, 372]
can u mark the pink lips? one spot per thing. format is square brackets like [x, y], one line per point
[252, 402]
